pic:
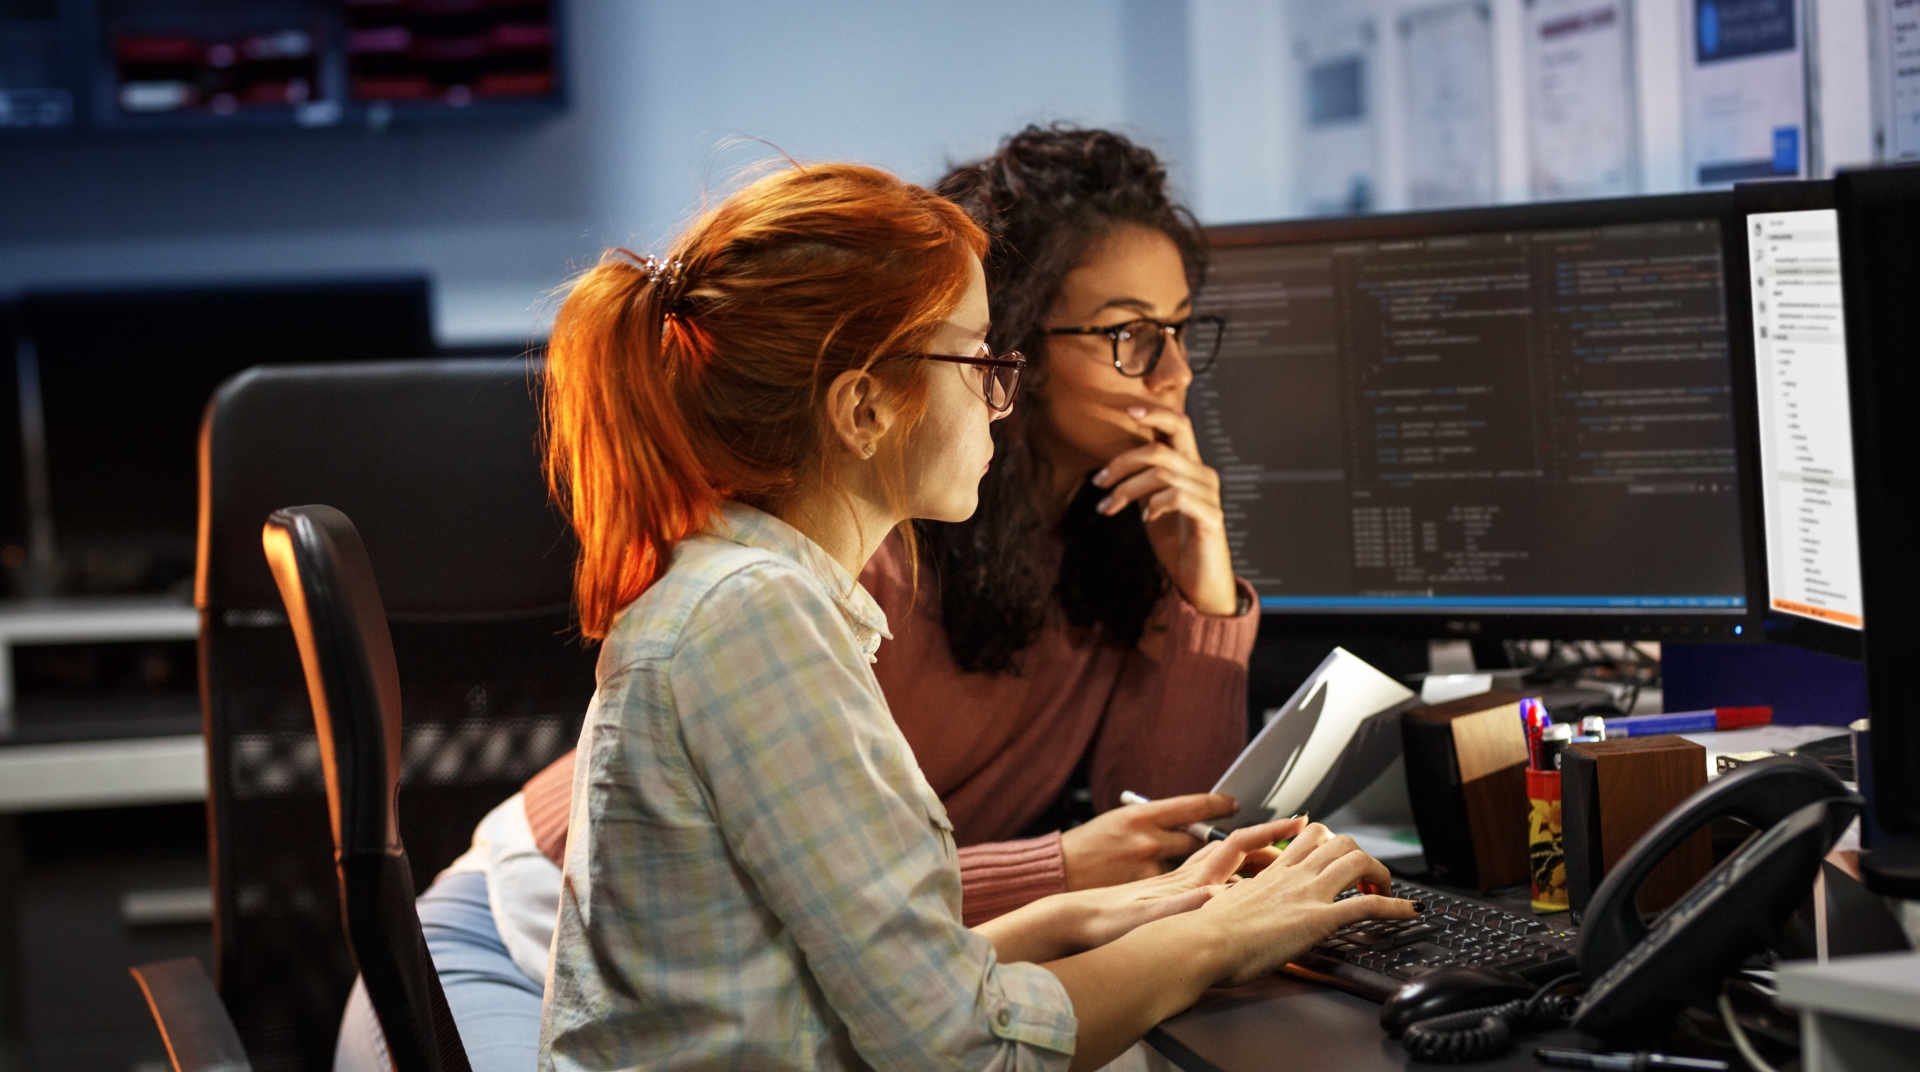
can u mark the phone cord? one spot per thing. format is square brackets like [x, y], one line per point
[1477, 1034]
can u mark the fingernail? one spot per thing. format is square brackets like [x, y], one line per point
[1136, 411]
[1419, 906]
[1100, 478]
[1103, 504]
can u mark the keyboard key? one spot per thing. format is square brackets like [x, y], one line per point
[1410, 935]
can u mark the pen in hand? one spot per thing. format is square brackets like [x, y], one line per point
[1201, 832]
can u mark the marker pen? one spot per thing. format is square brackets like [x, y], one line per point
[1200, 831]
[1713, 718]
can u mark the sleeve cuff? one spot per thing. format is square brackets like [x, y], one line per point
[1028, 1004]
[1224, 638]
[1000, 876]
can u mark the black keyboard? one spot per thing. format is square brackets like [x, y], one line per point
[1376, 957]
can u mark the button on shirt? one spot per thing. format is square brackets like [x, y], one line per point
[766, 880]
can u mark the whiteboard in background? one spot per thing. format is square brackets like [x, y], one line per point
[1446, 54]
[1339, 157]
[1745, 85]
[1895, 27]
[1583, 137]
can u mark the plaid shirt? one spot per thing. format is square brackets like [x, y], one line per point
[759, 876]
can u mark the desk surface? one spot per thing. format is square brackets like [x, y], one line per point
[1282, 1023]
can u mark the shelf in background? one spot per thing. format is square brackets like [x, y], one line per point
[81, 620]
[109, 66]
[100, 774]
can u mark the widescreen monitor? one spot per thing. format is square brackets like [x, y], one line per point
[1791, 333]
[1509, 422]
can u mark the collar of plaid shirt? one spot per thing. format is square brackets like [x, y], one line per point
[749, 527]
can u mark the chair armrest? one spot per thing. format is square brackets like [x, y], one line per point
[193, 1023]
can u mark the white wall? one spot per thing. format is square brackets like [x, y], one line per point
[1247, 106]
[664, 93]
[500, 214]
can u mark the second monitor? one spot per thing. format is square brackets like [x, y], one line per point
[1511, 421]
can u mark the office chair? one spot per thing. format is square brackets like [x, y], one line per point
[437, 462]
[346, 652]
[334, 608]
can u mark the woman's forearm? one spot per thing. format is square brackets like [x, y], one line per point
[1040, 931]
[1122, 989]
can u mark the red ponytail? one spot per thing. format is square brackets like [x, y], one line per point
[672, 386]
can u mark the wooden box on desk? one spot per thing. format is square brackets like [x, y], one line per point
[1467, 779]
[1611, 793]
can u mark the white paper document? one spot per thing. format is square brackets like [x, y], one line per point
[1896, 76]
[1447, 58]
[1331, 740]
[1745, 84]
[1339, 155]
[1758, 739]
[1582, 127]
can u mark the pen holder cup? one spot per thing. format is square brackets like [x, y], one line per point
[1545, 852]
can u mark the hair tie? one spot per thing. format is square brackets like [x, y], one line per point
[659, 270]
[666, 276]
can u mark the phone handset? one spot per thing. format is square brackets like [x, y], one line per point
[1637, 974]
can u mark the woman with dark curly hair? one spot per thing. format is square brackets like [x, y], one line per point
[1099, 547]
[1084, 622]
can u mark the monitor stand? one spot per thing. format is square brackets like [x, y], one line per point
[1893, 870]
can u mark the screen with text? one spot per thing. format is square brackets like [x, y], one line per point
[1525, 422]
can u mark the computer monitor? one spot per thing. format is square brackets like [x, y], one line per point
[123, 376]
[1789, 343]
[1508, 421]
[1879, 214]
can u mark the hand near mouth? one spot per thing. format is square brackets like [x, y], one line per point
[1179, 497]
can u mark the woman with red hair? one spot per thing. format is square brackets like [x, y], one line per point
[758, 875]
[1060, 645]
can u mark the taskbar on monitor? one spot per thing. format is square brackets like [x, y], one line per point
[1401, 604]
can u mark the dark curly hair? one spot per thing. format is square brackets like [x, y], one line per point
[1044, 198]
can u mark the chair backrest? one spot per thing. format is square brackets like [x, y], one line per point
[333, 606]
[437, 462]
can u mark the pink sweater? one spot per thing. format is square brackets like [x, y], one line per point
[1161, 719]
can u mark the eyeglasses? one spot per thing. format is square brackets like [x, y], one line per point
[1138, 344]
[1000, 379]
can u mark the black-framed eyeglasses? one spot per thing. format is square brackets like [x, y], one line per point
[1138, 344]
[1000, 381]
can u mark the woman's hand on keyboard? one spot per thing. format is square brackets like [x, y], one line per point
[1279, 914]
[1111, 911]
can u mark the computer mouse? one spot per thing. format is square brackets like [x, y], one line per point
[1446, 990]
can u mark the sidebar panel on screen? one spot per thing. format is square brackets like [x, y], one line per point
[1516, 422]
[1268, 419]
[1806, 431]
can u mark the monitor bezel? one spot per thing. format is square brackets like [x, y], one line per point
[1750, 198]
[1879, 216]
[1718, 206]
